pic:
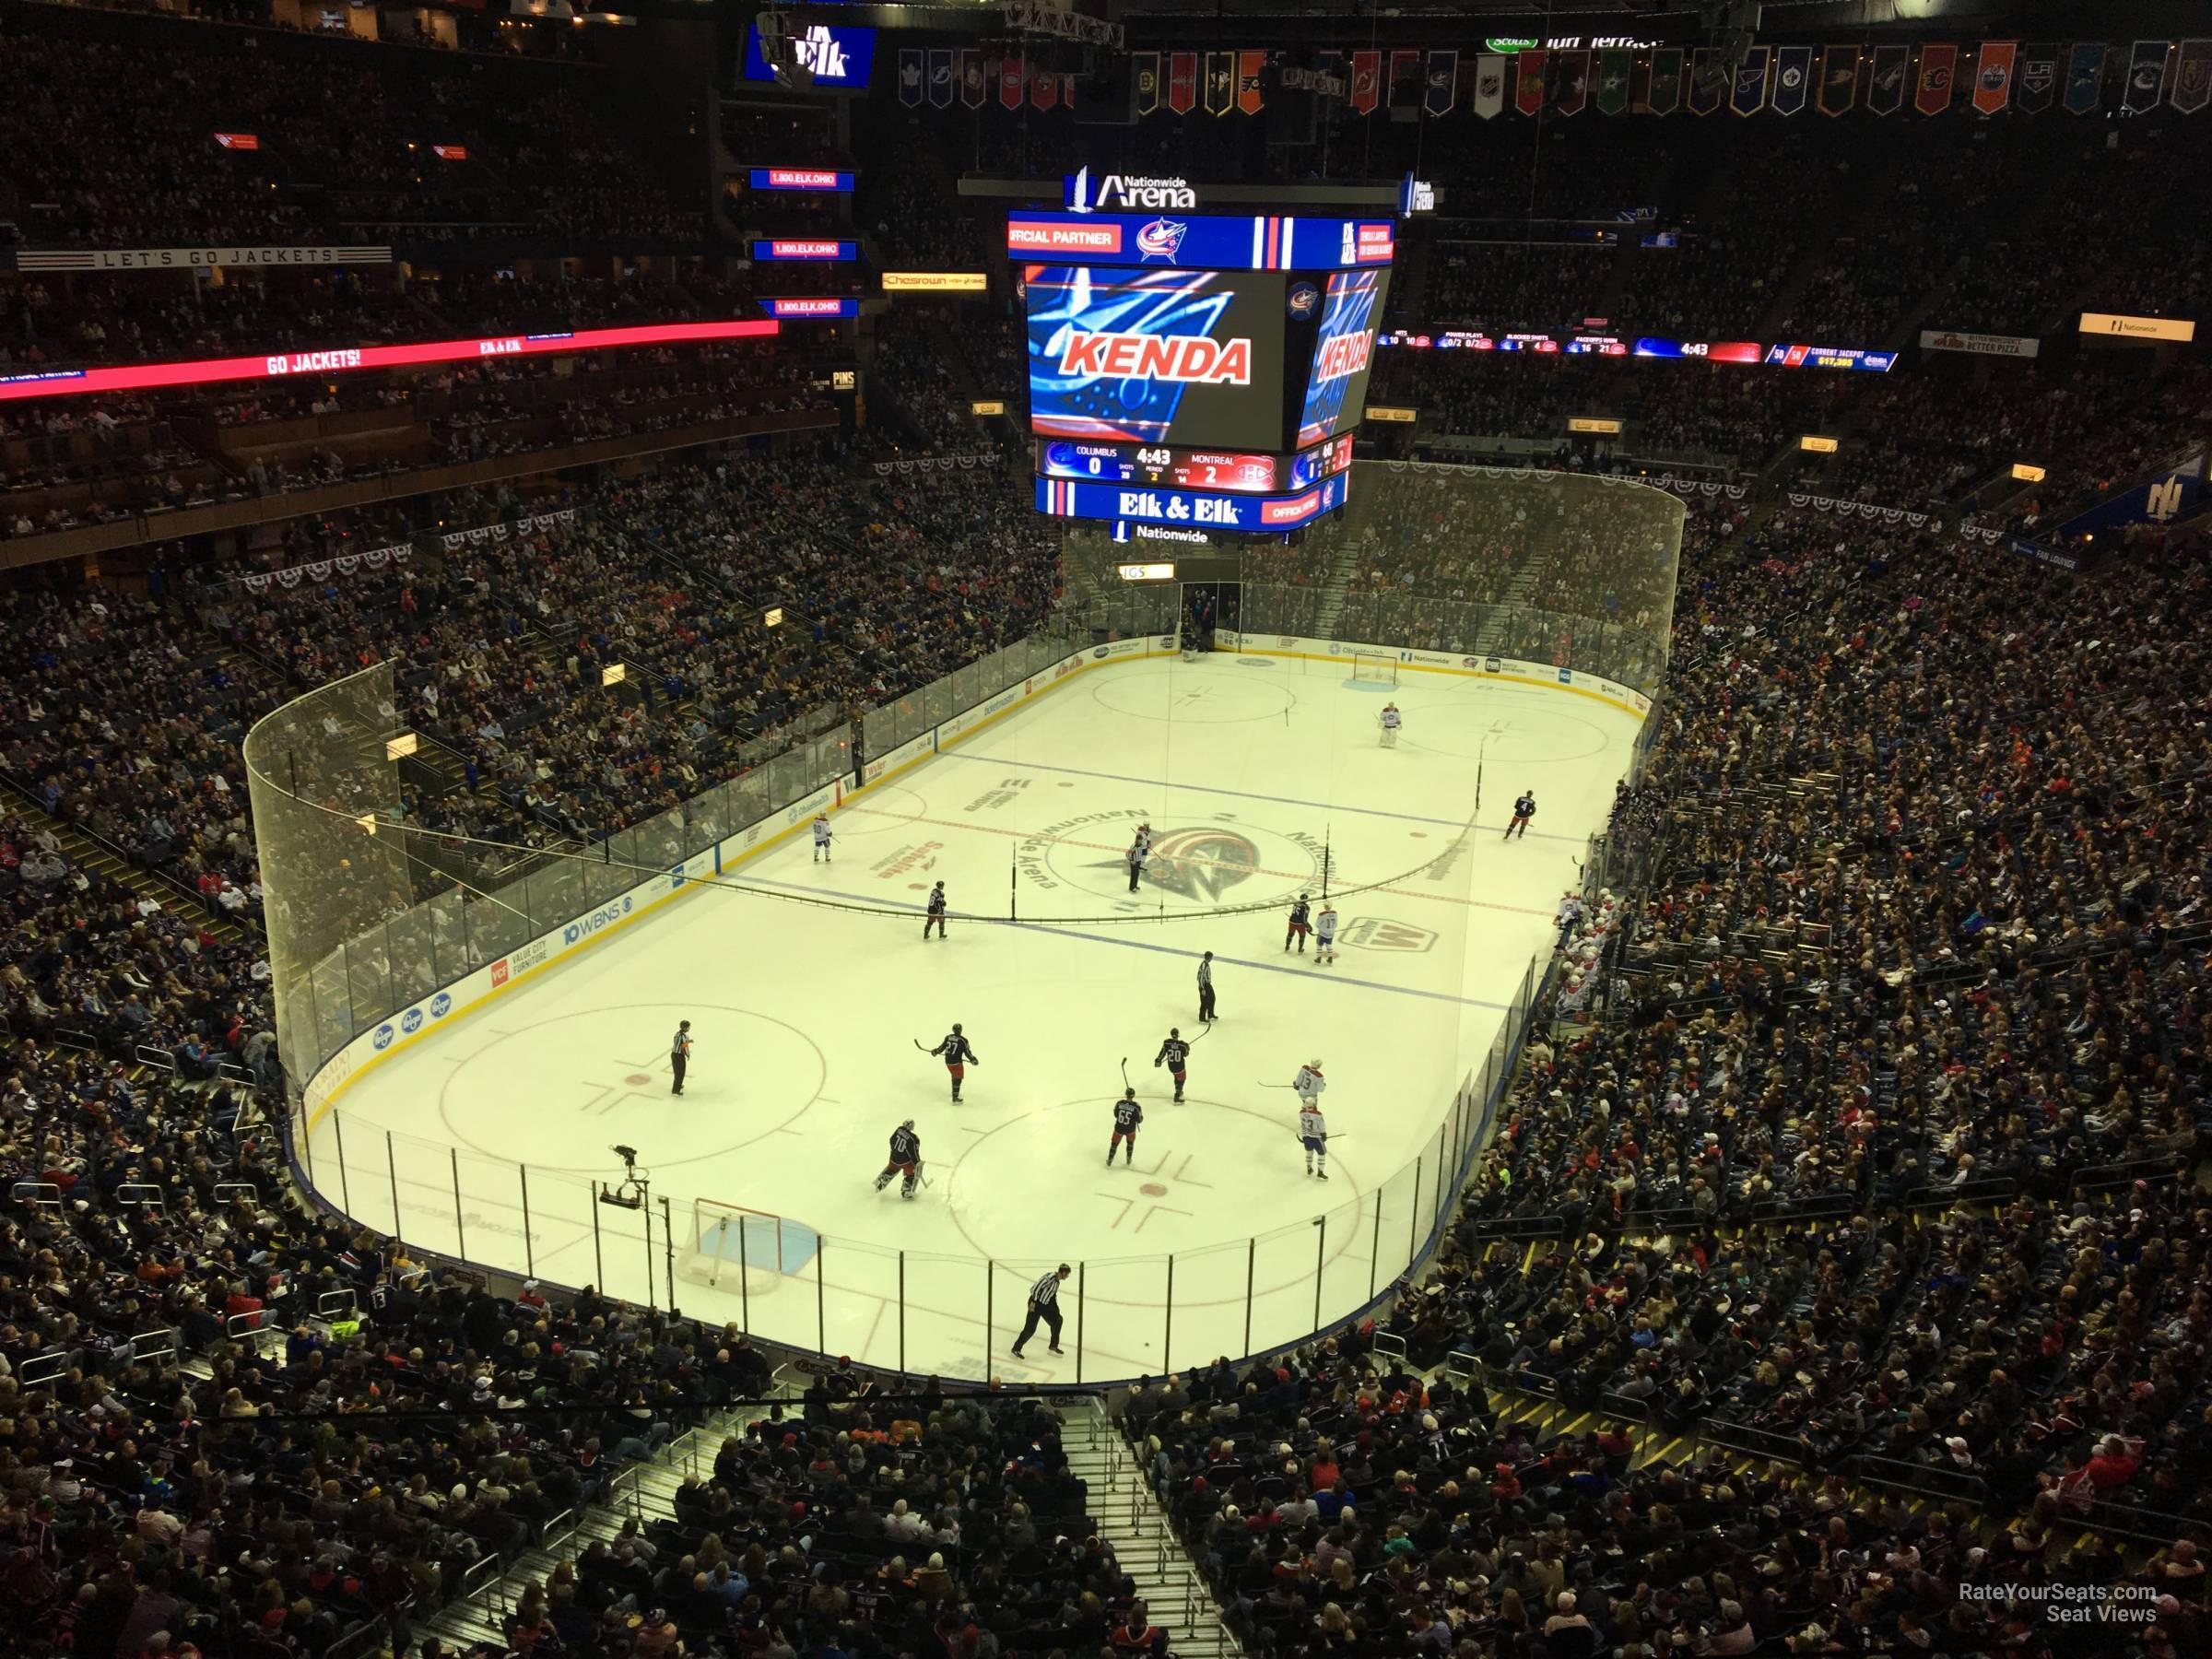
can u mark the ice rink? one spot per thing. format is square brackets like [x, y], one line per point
[807, 1016]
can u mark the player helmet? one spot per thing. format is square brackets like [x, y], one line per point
[1310, 1065]
[908, 1124]
[1175, 1032]
[1128, 1094]
[956, 1027]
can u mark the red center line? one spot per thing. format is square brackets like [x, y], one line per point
[1069, 840]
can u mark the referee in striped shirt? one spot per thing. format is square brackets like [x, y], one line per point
[1045, 1303]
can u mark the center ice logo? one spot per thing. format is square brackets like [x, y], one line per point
[1200, 863]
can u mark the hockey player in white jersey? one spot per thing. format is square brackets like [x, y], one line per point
[1313, 1134]
[1392, 719]
[821, 838]
[1308, 1083]
[1325, 935]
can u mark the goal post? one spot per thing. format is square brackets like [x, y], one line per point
[742, 1250]
[1372, 668]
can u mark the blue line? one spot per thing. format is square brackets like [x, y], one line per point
[1246, 794]
[1069, 933]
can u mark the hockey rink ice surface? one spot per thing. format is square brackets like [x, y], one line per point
[805, 1019]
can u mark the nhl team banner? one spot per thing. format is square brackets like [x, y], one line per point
[1838, 79]
[2085, 78]
[1441, 84]
[971, 79]
[1793, 70]
[1406, 80]
[1613, 67]
[1148, 81]
[1528, 91]
[1367, 81]
[1489, 85]
[1044, 89]
[940, 81]
[910, 77]
[1183, 82]
[1993, 76]
[1252, 97]
[1220, 82]
[1665, 94]
[1886, 88]
[1747, 95]
[2036, 83]
[2193, 77]
[1010, 82]
[1707, 81]
[1571, 82]
[2146, 77]
[1932, 91]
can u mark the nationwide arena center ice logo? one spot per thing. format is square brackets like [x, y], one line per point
[1163, 238]
[1201, 864]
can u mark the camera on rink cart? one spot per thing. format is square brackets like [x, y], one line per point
[629, 1192]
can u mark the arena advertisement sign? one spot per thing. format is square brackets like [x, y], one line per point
[1251, 513]
[1219, 242]
[1979, 344]
[800, 178]
[805, 247]
[1343, 354]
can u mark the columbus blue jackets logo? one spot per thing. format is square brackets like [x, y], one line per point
[1163, 238]
[1200, 863]
[1302, 300]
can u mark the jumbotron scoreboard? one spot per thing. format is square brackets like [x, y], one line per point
[1198, 371]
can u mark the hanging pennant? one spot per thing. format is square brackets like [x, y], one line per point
[1613, 64]
[1665, 95]
[1707, 81]
[1250, 97]
[1529, 92]
[1148, 82]
[1183, 82]
[971, 79]
[1010, 71]
[1993, 76]
[2037, 82]
[1792, 72]
[2085, 78]
[1571, 81]
[940, 79]
[1405, 82]
[1838, 79]
[1747, 91]
[1932, 91]
[1044, 89]
[2193, 77]
[1367, 81]
[1439, 83]
[1220, 82]
[1886, 90]
[910, 77]
[1489, 85]
[2146, 77]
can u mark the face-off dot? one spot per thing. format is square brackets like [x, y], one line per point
[1152, 1189]
[637, 1078]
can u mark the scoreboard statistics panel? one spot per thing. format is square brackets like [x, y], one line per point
[1246, 473]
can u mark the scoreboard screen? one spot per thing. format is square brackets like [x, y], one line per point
[1343, 353]
[1234, 472]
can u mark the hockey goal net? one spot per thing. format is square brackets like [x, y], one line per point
[1374, 669]
[734, 1248]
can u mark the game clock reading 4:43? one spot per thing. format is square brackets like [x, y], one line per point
[1238, 472]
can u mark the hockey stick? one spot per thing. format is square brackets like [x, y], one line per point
[1327, 1137]
[917, 1043]
[1275, 1085]
[1126, 1083]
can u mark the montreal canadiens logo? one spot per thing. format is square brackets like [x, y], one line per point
[1163, 238]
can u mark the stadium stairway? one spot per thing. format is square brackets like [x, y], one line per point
[97, 857]
[1129, 1518]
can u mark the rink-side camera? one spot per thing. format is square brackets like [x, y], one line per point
[629, 1192]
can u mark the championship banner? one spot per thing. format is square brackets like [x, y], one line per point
[1665, 95]
[1489, 85]
[1148, 82]
[1406, 80]
[1932, 91]
[1183, 82]
[1250, 97]
[1571, 82]
[2193, 77]
[1838, 79]
[1220, 82]
[1009, 82]
[1748, 94]
[1993, 76]
[1044, 89]
[1793, 70]
[940, 81]
[1367, 81]
[1707, 81]
[1613, 67]
[971, 79]
[1528, 91]
[2085, 78]
[910, 77]
[1886, 90]
[1440, 83]
[2038, 79]
[2146, 77]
